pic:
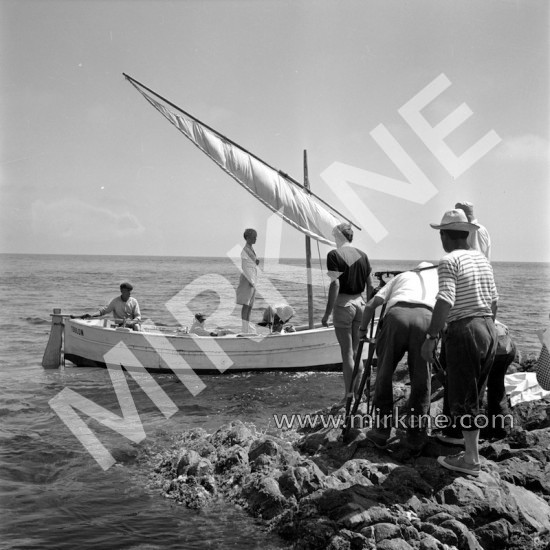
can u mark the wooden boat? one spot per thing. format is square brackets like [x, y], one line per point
[311, 347]
[87, 343]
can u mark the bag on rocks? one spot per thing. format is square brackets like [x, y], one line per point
[542, 368]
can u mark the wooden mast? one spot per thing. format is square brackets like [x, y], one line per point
[308, 256]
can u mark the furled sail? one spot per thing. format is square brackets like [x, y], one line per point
[280, 193]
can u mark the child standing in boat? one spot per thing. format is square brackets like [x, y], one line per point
[246, 290]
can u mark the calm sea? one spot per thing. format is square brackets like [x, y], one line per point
[54, 494]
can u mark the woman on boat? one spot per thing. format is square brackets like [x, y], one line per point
[246, 290]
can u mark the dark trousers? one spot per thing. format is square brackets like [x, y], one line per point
[403, 330]
[468, 351]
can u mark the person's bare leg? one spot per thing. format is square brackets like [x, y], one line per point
[343, 335]
[471, 446]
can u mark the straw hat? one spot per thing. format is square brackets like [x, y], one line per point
[455, 220]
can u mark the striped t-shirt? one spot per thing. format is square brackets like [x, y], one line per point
[466, 282]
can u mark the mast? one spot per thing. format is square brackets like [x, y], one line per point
[308, 256]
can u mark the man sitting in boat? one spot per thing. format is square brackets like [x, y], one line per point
[125, 309]
[277, 317]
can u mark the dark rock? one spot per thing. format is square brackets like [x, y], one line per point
[266, 447]
[230, 458]
[409, 533]
[263, 497]
[394, 544]
[405, 482]
[235, 433]
[527, 472]
[201, 468]
[386, 531]
[484, 498]
[532, 415]
[187, 459]
[446, 536]
[301, 480]
[427, 542]
[465, 539]
[494, 535]
[356, 540]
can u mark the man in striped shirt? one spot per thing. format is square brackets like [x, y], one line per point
[467, 303]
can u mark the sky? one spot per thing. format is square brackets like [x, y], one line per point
[88, 167]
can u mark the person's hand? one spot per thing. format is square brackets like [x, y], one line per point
[324, 321]
[363, 333]
[427, 350]
[86, 316]
[257, 262]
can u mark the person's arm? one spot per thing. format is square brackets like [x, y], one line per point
[136, 313]
[369, 288]
[332, 294]
[439, 318]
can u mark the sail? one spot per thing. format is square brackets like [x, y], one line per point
[280, 193]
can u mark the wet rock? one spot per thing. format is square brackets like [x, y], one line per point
[263, 497]
[301, 480]
[230, 458]
[203, 467]
[187, 459]
[235, 433]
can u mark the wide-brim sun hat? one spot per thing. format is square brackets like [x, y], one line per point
[455, 220]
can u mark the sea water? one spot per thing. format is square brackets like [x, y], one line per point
[55, 495]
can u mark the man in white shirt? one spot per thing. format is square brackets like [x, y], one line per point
[125, 308]
[477, 239]
[410, 297]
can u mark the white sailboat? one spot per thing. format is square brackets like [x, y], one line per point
[89, 342]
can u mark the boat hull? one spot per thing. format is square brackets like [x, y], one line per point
[90, 343]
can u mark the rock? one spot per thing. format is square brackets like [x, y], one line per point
[201, 468]
[230, 458]
[301, 480]
[266, 447]
[526, 472]
[235, 433]
[405, 482]
[187, 459]
[394, 544]
[484, 498]
[427, 542]
[264, 497]
[465, 539]
[493, 536]
[445, 536]
[533, 510]
[532, 415]
[386, 531]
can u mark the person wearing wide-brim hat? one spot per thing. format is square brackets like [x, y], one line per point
[467, 303]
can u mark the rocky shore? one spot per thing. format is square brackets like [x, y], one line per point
[317, 491]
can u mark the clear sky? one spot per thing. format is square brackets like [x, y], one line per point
[88, 167]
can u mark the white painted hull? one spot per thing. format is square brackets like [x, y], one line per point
[90, 343]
